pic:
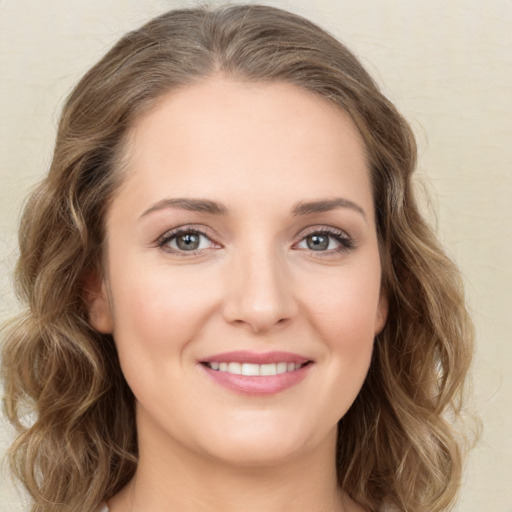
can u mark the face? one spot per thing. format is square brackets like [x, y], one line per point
[242, 273]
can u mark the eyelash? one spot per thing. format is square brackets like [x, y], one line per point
[346, 243]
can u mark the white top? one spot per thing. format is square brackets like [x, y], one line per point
[103, 508]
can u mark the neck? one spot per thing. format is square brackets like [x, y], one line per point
[172, 477]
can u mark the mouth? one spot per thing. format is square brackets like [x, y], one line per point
[255, 370]
[251, 373]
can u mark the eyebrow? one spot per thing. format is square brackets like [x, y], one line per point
[214, 208]
[192, 205]
[325, 205]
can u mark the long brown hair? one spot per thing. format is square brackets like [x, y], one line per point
[395, 445]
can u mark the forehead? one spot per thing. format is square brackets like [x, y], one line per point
[251, 136]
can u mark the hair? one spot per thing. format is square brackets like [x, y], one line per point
[398, 445]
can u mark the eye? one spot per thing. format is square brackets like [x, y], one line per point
[186, 240]
[326, 240]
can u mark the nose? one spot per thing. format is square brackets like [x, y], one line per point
[260, 293]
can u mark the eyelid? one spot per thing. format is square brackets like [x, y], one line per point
[319, 228]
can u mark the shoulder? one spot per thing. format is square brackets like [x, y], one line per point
[102, 508]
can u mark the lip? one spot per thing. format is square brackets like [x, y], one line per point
[257, 385]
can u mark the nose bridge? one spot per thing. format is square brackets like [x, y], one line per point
[261, 290]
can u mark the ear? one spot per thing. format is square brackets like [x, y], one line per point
[95, 296]
[382, 312]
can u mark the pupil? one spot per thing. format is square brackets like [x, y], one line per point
[318, 242]
[188, 241]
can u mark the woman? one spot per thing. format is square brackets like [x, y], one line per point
[233, 300]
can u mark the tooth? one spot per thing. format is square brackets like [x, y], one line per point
[268, 369]
[235, 368]
[250, 369]
[281, 368]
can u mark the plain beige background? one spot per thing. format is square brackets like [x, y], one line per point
[447, 64]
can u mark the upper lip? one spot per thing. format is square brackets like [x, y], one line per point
[242, 356]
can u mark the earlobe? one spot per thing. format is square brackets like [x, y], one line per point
[97, 302]
[382, 313]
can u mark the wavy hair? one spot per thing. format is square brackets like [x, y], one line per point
[396, 445]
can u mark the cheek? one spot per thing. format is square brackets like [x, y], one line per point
[343, 308]
[157, 316]
[159, 309]
[344, 305]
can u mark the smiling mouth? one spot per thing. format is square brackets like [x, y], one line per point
[257, 373]
[255, 370]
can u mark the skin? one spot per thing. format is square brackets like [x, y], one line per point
[254, 283]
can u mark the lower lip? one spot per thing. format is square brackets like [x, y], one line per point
[258, 385]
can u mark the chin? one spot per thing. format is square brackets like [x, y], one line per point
[254, 455]
[262, 444]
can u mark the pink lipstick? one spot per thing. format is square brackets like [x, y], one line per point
[255, 373]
